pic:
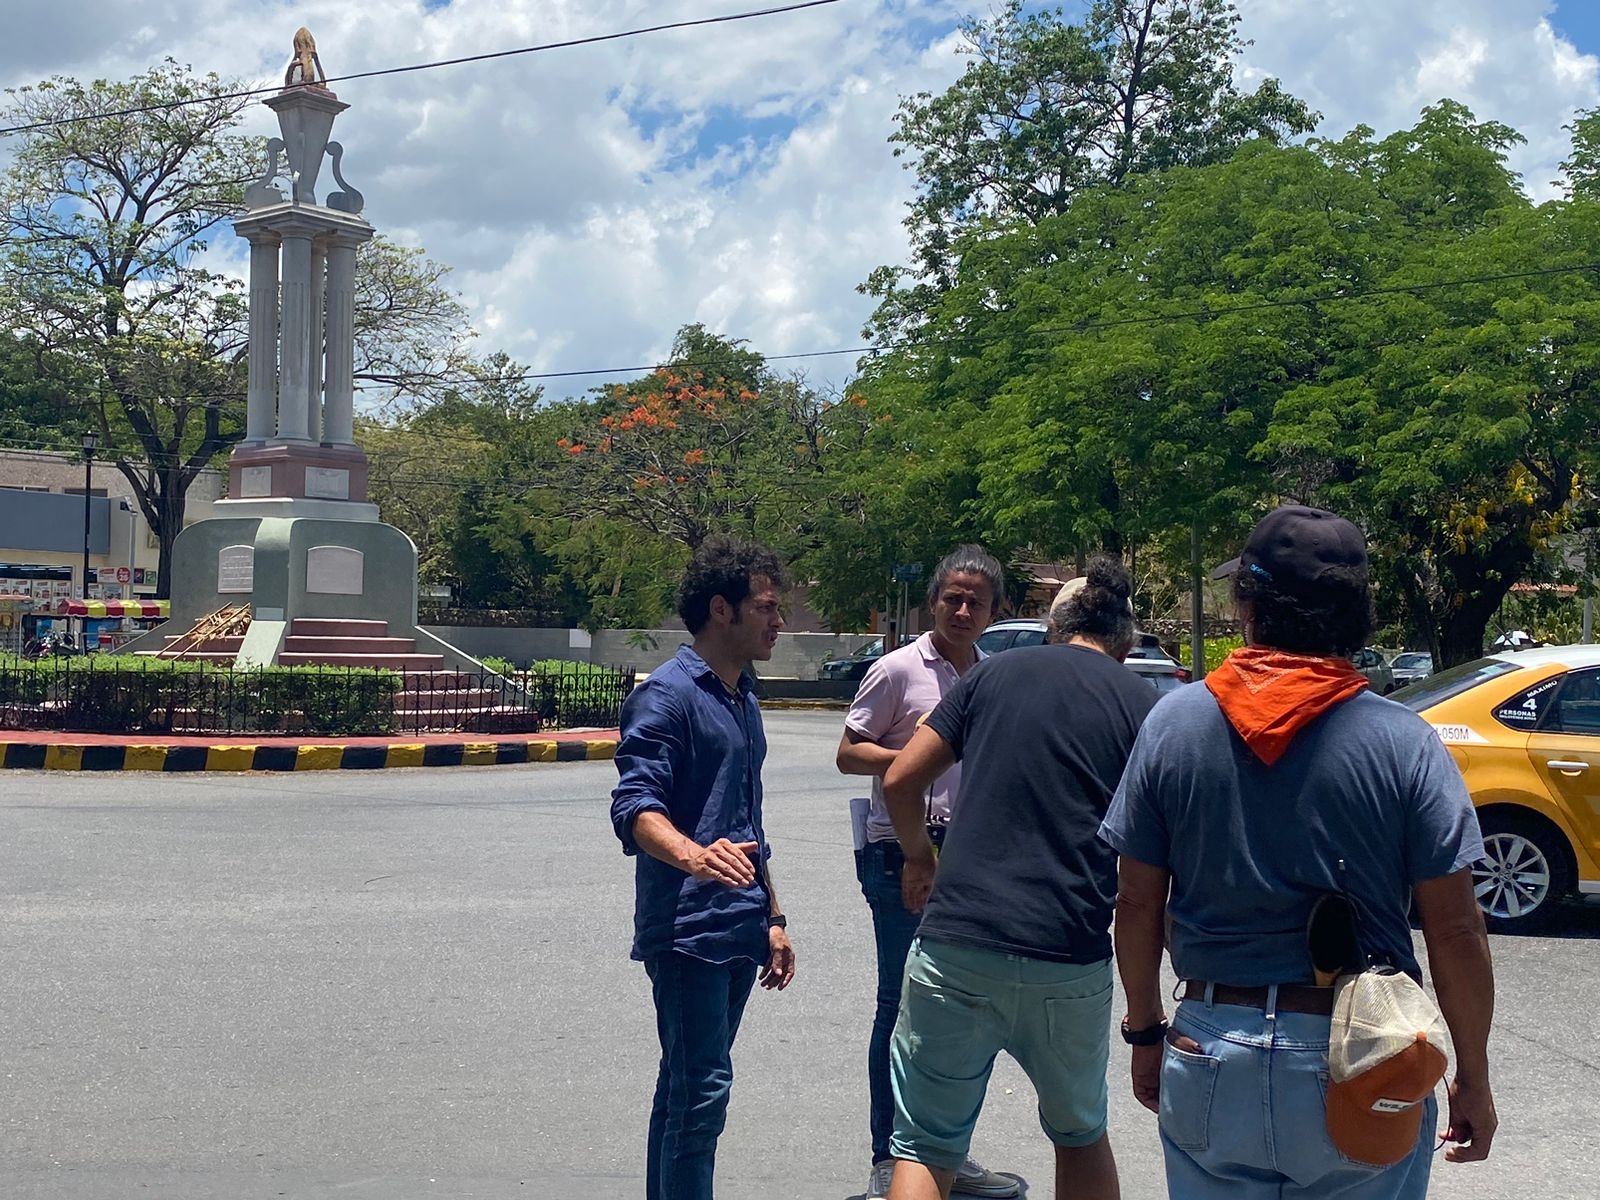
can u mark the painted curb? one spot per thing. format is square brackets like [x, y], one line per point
[39, 756]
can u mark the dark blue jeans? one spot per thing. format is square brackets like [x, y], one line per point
[893, 926]
[698, 1007]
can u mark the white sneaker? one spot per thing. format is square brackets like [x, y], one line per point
[878, 1182]
[973, 1180]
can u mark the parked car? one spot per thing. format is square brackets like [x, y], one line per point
[1524, 727]
[1410, 666]
[1004, 635]
[853, 667]
[1376, 668]
[1147, 659]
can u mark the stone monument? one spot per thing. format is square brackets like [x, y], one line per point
[296, 538]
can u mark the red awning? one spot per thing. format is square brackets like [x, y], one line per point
[115, 608]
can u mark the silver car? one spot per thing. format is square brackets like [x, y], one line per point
[1410, 666]
[1147, 659]
[1376, 668]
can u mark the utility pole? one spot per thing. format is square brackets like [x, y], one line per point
[1197, 607]
[89, 443]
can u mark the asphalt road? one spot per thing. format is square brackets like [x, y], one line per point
[409, 985]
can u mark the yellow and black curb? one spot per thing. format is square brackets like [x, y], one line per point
[77, 756]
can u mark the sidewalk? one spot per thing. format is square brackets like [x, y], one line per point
[51, 751]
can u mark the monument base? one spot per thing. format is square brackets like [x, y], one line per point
[298, 470]
[295, 568]
[289, 507]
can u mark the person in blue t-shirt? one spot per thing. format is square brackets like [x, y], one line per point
[706, 917]
[1282, 780]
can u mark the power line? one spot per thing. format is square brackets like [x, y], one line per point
[1203, 313]
[592, 40]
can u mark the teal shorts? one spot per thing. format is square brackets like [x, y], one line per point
[960, 1007]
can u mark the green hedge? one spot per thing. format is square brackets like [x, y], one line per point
[102, 693]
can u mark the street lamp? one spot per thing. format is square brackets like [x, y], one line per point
[89, 442]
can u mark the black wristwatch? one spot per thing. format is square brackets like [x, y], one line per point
[778, 922]
[1144, 1037]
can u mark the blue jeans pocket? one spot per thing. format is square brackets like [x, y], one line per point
[1188, 1084]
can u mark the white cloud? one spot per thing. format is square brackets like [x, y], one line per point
[1379, 63]
[594, 199]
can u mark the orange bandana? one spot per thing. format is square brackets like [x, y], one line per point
[1271, 695]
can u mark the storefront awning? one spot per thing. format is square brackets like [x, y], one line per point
[115, 608]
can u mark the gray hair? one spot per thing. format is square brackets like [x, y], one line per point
[1101, 610]
[968, 559]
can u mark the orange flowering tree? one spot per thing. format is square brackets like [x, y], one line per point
[713, 442]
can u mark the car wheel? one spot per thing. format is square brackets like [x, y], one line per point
[1524, 873]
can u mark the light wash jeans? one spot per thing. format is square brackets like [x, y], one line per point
[1244, 1119]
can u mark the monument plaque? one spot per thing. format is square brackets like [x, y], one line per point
[255, 482]
[328, 483]
[236, 569]
[334, 570]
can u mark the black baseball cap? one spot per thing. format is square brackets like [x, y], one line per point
[1299, 548]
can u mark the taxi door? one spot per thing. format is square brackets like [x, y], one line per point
[1565, 753]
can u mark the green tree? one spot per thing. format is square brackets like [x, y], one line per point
[1581, 168]
[106, 218]
[1046, 109]
[1197, 344]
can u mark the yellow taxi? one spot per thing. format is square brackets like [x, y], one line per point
[1524, 727]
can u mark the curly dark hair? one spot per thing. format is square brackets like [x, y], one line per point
[724, 566]
[1337, 619]
[1101, 610]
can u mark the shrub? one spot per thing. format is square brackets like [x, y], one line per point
[105, 694]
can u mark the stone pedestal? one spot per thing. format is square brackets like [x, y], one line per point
[298, 472]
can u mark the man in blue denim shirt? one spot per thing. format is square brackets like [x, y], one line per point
[688, 804]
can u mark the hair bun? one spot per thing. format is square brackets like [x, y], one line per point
[1108, 573]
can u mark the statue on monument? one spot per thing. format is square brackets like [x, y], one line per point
[305, 68]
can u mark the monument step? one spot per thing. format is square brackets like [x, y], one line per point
[421, 688]
[443, 680]
[336, 627]
[387, 662]
[297, 643]
[444, 702]
[216, 656]
[230, 644]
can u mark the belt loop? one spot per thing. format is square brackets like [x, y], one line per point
[1211, 990]
[1272, 1003]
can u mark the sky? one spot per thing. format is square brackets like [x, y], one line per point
[592, 200]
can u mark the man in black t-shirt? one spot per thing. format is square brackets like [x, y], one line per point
[1014, 949]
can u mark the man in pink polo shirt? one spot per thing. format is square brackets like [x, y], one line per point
[899, 690]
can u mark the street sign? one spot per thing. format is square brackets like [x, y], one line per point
[908, 573]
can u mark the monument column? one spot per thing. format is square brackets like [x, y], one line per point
[319, 292]
[339, 413]
[261, 398]
[295, 401]
[301, 459]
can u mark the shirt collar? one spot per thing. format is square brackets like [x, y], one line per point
[930, 652]
[699, 669]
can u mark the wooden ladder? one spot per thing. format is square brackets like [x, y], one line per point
[229, 621]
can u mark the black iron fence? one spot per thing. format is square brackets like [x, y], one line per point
[96, 694]
[572, 695]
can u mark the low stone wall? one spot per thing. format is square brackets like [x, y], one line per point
[796, 656]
